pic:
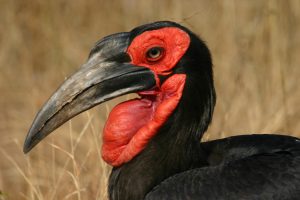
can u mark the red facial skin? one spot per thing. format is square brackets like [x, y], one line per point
[132, 124]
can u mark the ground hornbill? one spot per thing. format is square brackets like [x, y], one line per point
[153, 142]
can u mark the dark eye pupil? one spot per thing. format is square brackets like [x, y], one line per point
[154, 52]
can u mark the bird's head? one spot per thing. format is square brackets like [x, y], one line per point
[163, 62]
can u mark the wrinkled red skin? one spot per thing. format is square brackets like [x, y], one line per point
[132, 124]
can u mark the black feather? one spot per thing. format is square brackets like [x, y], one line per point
[175, 165]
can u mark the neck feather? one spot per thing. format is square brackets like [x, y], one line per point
[174, 149]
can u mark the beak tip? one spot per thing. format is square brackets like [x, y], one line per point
[30, 142]
[27, 146]
[34, 135]
[25, 150]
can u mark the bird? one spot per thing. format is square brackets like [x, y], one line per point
[153, 142]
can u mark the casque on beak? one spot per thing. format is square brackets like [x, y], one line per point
[107, 74]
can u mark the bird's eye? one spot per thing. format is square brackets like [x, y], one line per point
[154, 54]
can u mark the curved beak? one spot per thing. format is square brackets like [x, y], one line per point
[106, 75]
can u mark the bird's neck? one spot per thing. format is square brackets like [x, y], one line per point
[161, 159]
[174, 149]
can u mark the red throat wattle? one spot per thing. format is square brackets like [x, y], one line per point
[132, 124]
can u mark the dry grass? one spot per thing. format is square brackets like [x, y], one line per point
[255, 46]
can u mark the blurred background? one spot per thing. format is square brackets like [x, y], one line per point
[256, 52]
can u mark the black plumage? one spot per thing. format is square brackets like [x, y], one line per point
[242, 167]
[174, 164]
